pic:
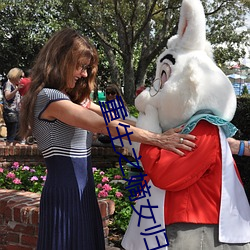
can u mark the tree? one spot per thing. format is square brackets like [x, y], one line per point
[244, 90]
[25, 26]
[134, 32]
[223, 19]
[129, 34]
[246, 3]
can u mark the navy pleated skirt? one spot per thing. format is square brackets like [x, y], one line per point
[69, 213]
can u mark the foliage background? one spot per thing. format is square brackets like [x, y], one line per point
[242, 121]
[129, 34]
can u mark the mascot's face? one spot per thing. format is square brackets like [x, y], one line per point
[187, 80]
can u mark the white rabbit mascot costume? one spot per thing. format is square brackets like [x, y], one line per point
[198, 197]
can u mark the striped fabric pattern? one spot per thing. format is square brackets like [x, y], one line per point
[55, 137]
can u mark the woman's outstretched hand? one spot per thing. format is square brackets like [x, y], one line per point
[173, 141]
[234, 145]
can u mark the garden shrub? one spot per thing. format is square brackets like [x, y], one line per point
[242, 121]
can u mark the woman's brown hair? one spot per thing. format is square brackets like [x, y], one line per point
[54, 68]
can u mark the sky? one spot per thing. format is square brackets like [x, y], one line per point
[248, 20]
[247, 26]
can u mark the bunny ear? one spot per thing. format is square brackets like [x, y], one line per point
[192, 25]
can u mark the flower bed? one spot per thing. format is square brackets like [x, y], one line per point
[109, 185]
[21, 177]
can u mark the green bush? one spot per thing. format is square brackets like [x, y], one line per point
[133, 111]
[242, 121]
[244, 90]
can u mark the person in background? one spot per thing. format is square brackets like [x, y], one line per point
[3, 80]
[239, 147]
[63, 77]
[112, 90]
[25, 82]
[1, 100]
[11, 105]
[139, 90]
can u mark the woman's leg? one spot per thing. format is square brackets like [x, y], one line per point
[11, 132]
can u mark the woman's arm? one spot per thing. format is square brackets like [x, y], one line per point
[96, 108]
[11, 94]
[74, 115]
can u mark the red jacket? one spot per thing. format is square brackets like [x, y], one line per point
[193, 182]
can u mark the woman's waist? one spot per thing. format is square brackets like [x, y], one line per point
[58, 150]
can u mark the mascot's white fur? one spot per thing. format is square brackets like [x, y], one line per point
[187, 83]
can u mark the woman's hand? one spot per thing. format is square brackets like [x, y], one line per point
[173, 141]
[20, 86]
[234, 145]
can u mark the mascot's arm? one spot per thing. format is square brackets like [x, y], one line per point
[172, 172]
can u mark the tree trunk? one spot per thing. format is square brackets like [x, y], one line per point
[129, 81]
[141, 74]
[114, 71]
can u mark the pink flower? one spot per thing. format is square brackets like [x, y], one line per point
[34, 178]
[102, 193]
[17, 181]
[117, 177]
[1, 170]
[102, 173]
[43, 178]
[118, 194]
[32, 170]
[107, 187]
[26, 168]
[11, 175]
[94, 169]
[105, 179]
[99, 185]
[15, 165]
